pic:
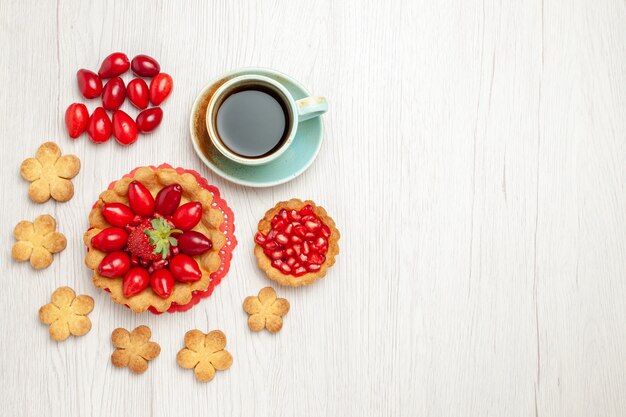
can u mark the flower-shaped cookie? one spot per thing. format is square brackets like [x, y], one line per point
[266, 311]
[49, 174]
[204, 353]
[67, 314]
[134, 349]
[37, 241]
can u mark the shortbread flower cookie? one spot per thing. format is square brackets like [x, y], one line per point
[49, 174]
[67, 314]
[37, 241]
[134, 349]
[204, 353]
[266, 311]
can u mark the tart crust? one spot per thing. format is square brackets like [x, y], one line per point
[333, 244]
[155, 179]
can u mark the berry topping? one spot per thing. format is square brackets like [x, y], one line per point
[117, 214]
[140, 199]
[135, 281]
[168, 199]
[152, 240]
[297, 242]
[188, 215]
[110, 239]
[185, 269]
[162, 282]
[194, 243]
[114, 265]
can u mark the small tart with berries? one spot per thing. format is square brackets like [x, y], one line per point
[157, 239]
[296, 243]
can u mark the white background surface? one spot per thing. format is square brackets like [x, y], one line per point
[474, 161]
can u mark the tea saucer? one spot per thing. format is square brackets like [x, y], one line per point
[296, 159]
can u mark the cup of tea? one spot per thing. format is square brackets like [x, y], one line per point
[253, 119]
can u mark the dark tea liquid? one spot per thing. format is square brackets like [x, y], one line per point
[252, 122]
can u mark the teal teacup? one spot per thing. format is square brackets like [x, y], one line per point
[252, 119]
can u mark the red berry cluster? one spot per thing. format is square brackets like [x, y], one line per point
[125, 130]
[297, 242]
[151, 242]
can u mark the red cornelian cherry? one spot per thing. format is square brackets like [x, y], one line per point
[76, 119]
[89, 83]
[138, 93]
[114, 265]
[194, 243]
[160, 88]
[185, 268]
[162, 282]
[110, 239]
[149, 119]
[135, 281]
[113, 94]
[99, 126]
[187, 216]
[297, 242]
[117, 214]
[168, 199]
[140, 200]
[154, 88]
[113, 65]
[124, 128]
[145, 66]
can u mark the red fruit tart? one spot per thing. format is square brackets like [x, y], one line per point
[159, 239]
[296, 243]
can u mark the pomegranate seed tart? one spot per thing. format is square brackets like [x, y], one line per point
[296, 243]
[160, 239]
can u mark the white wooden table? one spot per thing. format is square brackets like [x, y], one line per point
[474, 161]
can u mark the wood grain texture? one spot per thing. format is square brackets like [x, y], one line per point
[474, 162]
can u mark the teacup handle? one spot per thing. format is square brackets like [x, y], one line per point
[311, 107]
